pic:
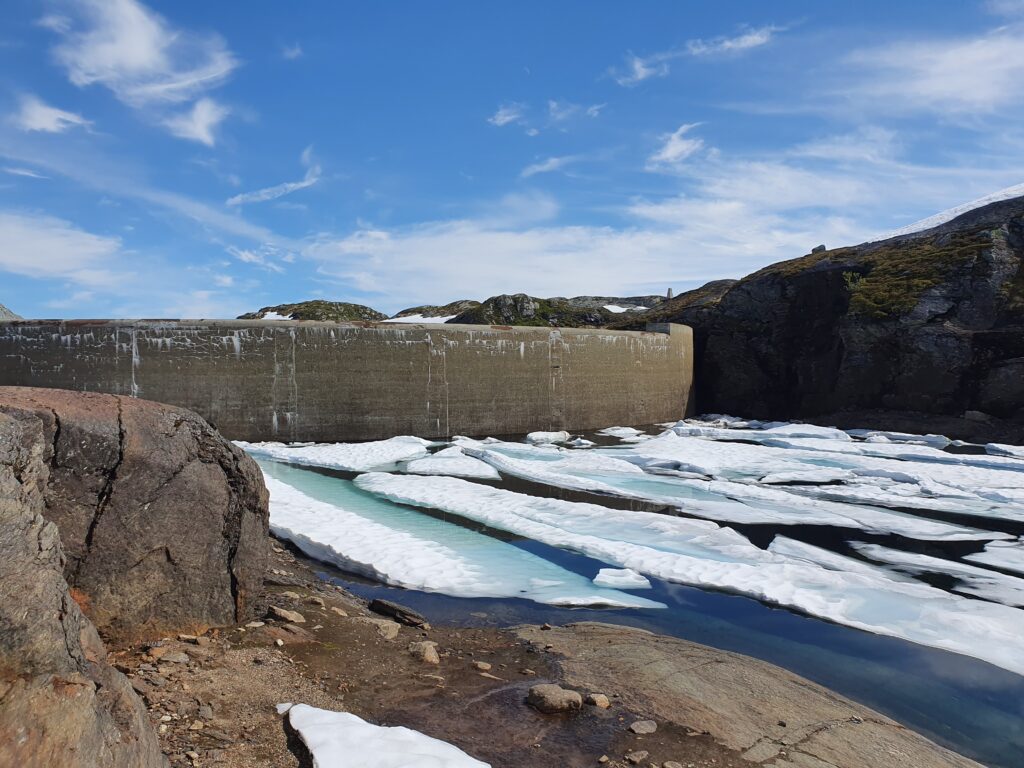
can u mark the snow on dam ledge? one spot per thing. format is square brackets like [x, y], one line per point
[316, 381]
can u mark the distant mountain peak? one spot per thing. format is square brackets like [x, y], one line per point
[317, 309]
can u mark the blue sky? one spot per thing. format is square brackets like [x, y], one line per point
[204, 159]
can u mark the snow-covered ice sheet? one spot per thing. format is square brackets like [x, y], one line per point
[332, 521]
[419, 319]
[343, 740]
[703, 555]
[621, 578]
[1001, 449]
[452, 461]
[1008, 555]
[878, 435]
[353, 457]
[720, 500]
[971, 580]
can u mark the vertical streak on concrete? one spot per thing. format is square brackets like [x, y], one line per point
[136, 359]
[293, 395]
[555, 349]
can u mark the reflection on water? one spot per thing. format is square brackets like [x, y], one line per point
[963, 703]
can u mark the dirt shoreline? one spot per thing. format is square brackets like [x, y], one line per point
[213, 698]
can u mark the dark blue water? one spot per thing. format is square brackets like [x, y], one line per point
[963, 703]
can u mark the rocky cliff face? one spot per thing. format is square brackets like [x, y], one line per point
[438, 310]
[331, 311]
[163, 522]
[61, 704]
[924, 330]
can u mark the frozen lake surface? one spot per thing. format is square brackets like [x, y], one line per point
[884, 565]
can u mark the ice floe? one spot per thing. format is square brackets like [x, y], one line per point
[353, 457]
[334, 522]
[703, 555]
[621, 578]
[1008, 555]
[620, 431]
[971, 580]
[343, 740]
[1000, 449]
[548, 437]
[452, 461]
[721, 500]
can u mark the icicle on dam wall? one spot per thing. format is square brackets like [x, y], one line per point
[299, 381]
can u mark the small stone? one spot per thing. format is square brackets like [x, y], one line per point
[671, 764]
[318, 601]
[483, 666]
[175, 657]
[197, 725]
[188, 638]
[643, 727]
[635, 758]
[165, 718]
[399, 613]
[203, 641]
[193, 754]
[279, 642]
[526, 671]
[338, 611]
[550, 698]
[782, 723]
[545, 626]
[598, 700]
[162, 729]
[206, 712]
[603, 759]
[283, 614]
[425, 651]
[291, 595]
[489, 676]
[385, 627]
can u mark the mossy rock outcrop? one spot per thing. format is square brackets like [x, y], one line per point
[318, 309]
[923, 331]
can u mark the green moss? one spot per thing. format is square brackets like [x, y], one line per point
[898, 274]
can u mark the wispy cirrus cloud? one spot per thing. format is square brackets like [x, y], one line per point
[549, 165]
[35, 115]
[508, 114]
[636, 69]
[313, 173]
[292, 52]
[199, 123]
[146, 62]
[26, 172]
[958, 76]
[675, 149]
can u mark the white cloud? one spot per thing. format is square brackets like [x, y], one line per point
[1009, 8]
[223, 281]
[292, 52]
[953, 76]
[261, 257]
[508, 114]
[200, 123]
[312, 176]
[548, 165]
[676, 148]
[133, 51]
[640, 68]
[560, 111]
[35, 115]
[26, 172]
[594, 110]
[70, 253]
[753, 38]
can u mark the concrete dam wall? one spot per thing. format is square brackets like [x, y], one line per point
[298, 381]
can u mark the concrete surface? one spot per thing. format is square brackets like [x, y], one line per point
[299, 381]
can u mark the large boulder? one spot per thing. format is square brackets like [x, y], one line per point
[163, 522]
[61, 704]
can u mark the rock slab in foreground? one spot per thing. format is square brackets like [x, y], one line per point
[768, 714]
[163, 522]
[61, 704]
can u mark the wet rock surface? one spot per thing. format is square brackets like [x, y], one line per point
[163, 522]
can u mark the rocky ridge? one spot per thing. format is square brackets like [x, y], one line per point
[319, 309]
[6, 314]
